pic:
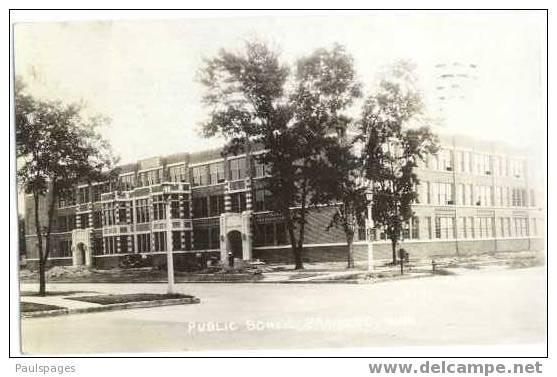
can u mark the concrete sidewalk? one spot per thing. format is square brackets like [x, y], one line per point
[62, 301]
[68, 306]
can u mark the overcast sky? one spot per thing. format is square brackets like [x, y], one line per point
[142, 73]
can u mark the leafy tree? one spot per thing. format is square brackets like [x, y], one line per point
[394, 144]
[342, 187]
[248, 103]
[57, 148]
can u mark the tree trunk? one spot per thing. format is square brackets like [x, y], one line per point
[299, 263]
[38, 230]
[393, 245]
[350, 242]
[42, 277]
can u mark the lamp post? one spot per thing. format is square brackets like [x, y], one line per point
[369, 230]
[169, 255]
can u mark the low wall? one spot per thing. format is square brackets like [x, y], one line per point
[338, 253]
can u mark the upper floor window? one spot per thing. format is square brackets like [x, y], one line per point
[177, 173]
[66, 198]
[262, 198]
[443, 193]
[142, 210]
[149, 178]
[237, 169]
[483, 195]
[216, 172]
[464, 163]
[127, 182]
[260, 169]
[517, 168]
[199, 175]
[482, 162]
[445, 160]
[83, 194]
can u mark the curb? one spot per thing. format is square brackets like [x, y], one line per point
[112, 307]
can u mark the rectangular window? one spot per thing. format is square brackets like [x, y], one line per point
[177, 173]
[260, 169]
[160, 241]
[238, 202]
[521, 226]
[282, 234]
[262, 199]
[445, 160]
[216, 206]
[124, 244]
[127, 182]
[444, 227]
[200, 208]
[159, 208]
[415, 228]
[460, 194]
[142, 210]
[201, 239]
[200, 176]
[237, 169]
[504, 167]
[485, 227]
[461, 227]
[144, 242]
[444, 193]
[214, 238]
[216, 171]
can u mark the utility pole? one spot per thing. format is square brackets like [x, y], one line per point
[169, 255]
[369, 229]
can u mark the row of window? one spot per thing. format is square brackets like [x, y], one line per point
[144, 244]
[445, 227]
[441, 193]
[476, 163]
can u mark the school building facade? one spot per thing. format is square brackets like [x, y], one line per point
[474, 197]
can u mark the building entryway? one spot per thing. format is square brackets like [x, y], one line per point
[81, 251]
[81, 258]
[235, 243]
[235, 236]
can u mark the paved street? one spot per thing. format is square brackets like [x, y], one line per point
[478, 307]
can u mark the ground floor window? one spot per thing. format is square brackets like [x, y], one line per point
[110, 246]
[520, 226]
[144, 242]
[444, 227]
[270, 234]
[505, 226]
[64, 249]
[484, 227]
[160, 241]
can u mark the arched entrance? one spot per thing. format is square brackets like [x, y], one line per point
[81, 256]
[235, 235]
[235, 243]
[81, 247]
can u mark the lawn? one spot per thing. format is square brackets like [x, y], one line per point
[125, 298]
[28, 307]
